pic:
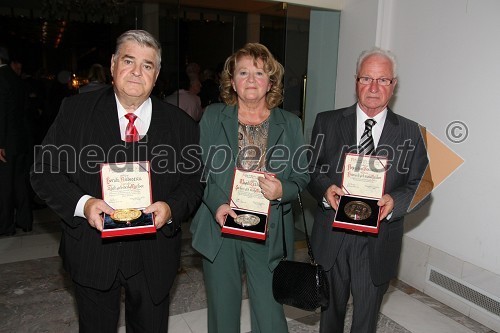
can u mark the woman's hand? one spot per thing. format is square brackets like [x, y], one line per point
[271, 187]
[222, 212]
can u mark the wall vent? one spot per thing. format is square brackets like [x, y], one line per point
[464, 290]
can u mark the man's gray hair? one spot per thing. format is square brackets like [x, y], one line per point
[141, 37]
[381, 52]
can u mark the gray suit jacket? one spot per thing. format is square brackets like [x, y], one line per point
[402, 143]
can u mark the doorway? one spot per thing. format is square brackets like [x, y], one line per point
[206, 35]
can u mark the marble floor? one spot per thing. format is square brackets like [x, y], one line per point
[36, 293]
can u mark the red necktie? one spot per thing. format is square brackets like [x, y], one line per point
[131, 133]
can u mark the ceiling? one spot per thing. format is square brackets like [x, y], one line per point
[25, 7]
[42, 20]
[24, 24]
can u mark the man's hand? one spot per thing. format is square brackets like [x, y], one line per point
[332, 196]
[161, 211]
[93, 209]
[387, 205]
[270, 187]
[222, 212]
[2, 155]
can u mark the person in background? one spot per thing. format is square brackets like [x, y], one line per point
[32, 119]
[358, 263]
[97, 79]
[15, 144]
[252, 126]
[185, 99]
[193, 71]
[121, 123]
[17, 66]
[209, 92]
[57, 89]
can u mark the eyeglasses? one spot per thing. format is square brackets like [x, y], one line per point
[381, 81]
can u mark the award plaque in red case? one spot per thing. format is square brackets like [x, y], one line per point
[250, 204]
[363, 181]
[126, 187]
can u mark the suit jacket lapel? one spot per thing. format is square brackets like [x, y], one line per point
[276, 120]
[390, 131]
[154, 131]
[348, 126]
[230, 126]
[106, 113]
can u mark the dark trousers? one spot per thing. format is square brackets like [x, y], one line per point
[351, 275]
[15, 200]
[99, 311]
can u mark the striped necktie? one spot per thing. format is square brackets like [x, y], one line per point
[131, 133]
[366, 144]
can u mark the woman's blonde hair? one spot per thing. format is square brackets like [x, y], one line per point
[272, 67]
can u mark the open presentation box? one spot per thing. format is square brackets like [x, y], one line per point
[363, 181]
[250, 204]
[126, 187]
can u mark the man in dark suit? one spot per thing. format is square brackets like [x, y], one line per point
[358, 263]
[92, 129]
[15, 144]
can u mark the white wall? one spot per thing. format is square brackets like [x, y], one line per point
[358, 31]
[449, 69]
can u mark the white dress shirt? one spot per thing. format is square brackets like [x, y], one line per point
[376, 129]
[142, 122]
[360, 128]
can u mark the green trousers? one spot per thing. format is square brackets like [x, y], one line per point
[223, 283]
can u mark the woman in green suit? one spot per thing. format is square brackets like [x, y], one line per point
[251, 88]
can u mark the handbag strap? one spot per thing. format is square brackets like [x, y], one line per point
[309, 248]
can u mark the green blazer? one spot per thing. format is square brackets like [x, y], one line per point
[286, 157]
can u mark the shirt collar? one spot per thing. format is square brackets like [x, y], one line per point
[140, 112]
[379, 118]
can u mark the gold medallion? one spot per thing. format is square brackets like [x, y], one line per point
[358, 210]
[247, 220]
[126, 215]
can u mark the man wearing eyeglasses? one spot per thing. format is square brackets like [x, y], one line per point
[360, 263]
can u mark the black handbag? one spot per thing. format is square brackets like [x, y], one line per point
[300, 284]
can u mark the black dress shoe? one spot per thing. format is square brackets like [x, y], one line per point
[9, 233]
